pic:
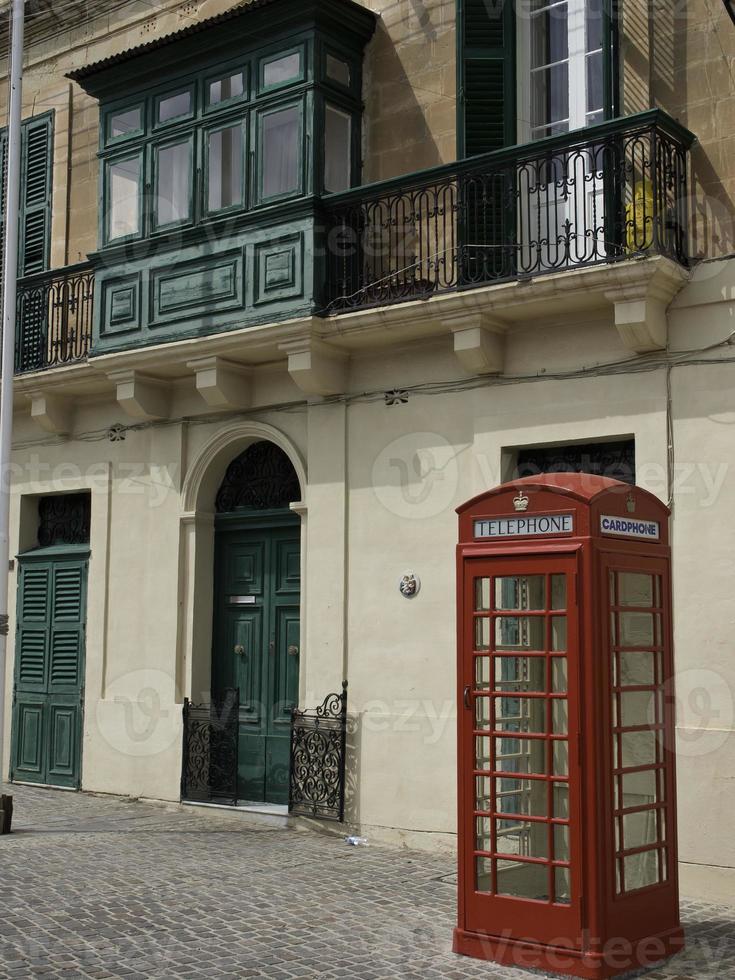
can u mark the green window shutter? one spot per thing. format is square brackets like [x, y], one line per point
[33, 622]
[35, 214]
[67, 629]
[488, 76]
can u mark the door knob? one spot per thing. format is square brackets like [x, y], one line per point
[240, 650]
[293, 650]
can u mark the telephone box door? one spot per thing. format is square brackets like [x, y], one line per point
[521, 792]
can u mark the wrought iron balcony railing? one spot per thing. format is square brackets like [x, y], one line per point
[603, 194]
[54, 317]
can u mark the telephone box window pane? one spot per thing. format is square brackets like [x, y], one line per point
[522, 838]
[337, 150]
[482, 792]
[282, 70]
[124, 194]
[560, 794]
[559, 675]
[558, 632]
[561, 842]
[637, 708]
[639, 829]
[637, 669]
[641, 870]
[483, 834]
[523, 880]
[520, 755]
[638, 789]
[482, 673]
[173, 179]
[482, 634]
[636, 629]
[482, 712]
[520, 674]
[522, 797]
[482, 594]
[562, 886]
[560, 754]
[635, 589]
[558, 592]
[482, 752]
[637, 749]
[281, 155]
[174, 106]
[559, 716]
[225, 168]
[523, 715]
[520, 632]
[338, 70]
[523, 593]
[125, 123]
[484, 874]
[224, 89]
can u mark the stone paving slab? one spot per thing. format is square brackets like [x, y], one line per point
[104, 887]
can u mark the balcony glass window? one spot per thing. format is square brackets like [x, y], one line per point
[125, 123]
[282, 70]
[281, 152]
[338, 71]
[173, 183]
[174, 107]
[124, 197]
[337, 149]
[225, 161]
[226, 88]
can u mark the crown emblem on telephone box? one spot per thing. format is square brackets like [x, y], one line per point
[630, 503]
[521, 502]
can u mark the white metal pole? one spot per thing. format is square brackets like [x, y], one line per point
[10, 273]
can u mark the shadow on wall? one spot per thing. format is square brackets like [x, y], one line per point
[410, 103]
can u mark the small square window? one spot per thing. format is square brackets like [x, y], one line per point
[174, 106]
[123, 198]
[125, 123]
[282, 70]
[339, 71]
[226, 88]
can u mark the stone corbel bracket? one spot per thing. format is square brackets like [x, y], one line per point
[51, 412]
[641, 302]
[221, 383]
[141, 396]
[479, 340]
[316, 367]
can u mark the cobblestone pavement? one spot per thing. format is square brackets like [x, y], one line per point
[103, 887]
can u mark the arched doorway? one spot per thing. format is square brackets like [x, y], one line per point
[256, 612]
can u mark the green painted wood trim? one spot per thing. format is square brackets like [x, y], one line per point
[72, 552]
[256, 519]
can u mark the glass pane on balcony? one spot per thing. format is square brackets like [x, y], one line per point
[522, 838]
[173, 183]
[125, 123]
[224, 89]
[225, 167]
[282, 70]
[174, 106]
[124, 197]
[337, 149]
[523, 880]
[524, 592]
[520, 632]
[520, 674]
[338, 70]
[550, 100]
[549, 33]
[281, 152]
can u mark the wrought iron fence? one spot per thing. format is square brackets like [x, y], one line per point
[318, 755]
[606, 193]
[54, 317]
[210, 752]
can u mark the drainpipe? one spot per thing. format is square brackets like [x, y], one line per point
[10, 275]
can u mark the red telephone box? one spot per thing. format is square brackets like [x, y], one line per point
[567, 797]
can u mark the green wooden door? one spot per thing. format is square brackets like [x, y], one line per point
[256, 643]
[49, 667]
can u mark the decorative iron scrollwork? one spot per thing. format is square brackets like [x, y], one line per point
[210, 755]
[64, 519]
[261, 478]
[318, 756]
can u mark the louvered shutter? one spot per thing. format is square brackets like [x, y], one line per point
[488, 75]
[34, 620]
[35, 217]
[67, 630]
